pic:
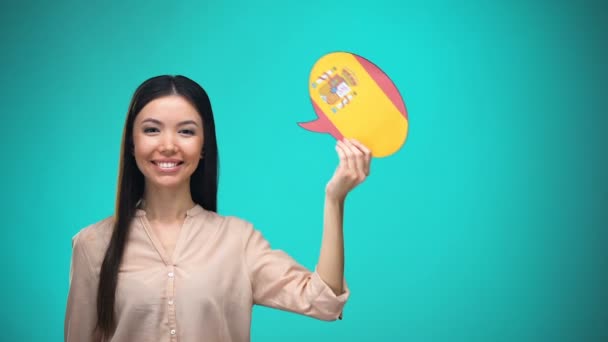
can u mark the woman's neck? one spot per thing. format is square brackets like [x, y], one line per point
[166, 205]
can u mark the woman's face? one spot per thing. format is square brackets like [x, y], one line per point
[168, 142]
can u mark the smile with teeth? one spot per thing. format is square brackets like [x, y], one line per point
[167, 165]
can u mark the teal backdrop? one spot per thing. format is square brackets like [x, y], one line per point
[490, 224]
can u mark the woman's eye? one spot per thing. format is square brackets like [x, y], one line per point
[150, 130]
[187, 131]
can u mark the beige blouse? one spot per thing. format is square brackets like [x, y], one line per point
[220, 267]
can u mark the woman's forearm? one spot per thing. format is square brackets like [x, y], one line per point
[353, 168]
[331, 259]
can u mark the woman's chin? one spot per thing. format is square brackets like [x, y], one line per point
[168, 184]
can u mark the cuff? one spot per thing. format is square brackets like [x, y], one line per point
[329, 304]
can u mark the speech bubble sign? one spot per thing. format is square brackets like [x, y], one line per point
[354, 98]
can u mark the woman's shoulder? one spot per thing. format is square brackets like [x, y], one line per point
[228, 223]
[95, 236]
[224, 220]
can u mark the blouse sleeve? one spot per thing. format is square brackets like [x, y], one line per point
[81, 313]
[278, 281]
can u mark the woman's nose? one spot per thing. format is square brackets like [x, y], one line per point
[168, 145]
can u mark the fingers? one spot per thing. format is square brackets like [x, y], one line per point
[341, 155]
[367, 155]
[357, 157]
[347, 162]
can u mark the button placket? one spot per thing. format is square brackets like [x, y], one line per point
[169, 261]
[170, 302]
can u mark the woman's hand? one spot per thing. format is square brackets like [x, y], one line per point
[352, 170]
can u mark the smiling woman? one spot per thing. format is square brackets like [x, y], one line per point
[168, 139]
[166, 266]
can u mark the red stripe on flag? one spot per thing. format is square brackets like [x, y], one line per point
[385, 83]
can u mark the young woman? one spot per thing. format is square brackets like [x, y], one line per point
[167, 266]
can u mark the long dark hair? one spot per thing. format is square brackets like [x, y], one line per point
[203, 183]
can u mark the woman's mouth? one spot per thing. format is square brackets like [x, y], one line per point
[167, 166]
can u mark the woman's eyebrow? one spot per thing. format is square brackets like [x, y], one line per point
[188, 122]
[154, 121]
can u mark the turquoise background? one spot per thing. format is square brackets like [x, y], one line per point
[489, 225]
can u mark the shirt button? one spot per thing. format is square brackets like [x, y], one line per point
[170, 301]
[170, 274]
[172, 331]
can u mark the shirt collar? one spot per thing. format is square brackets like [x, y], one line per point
[197, 209]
